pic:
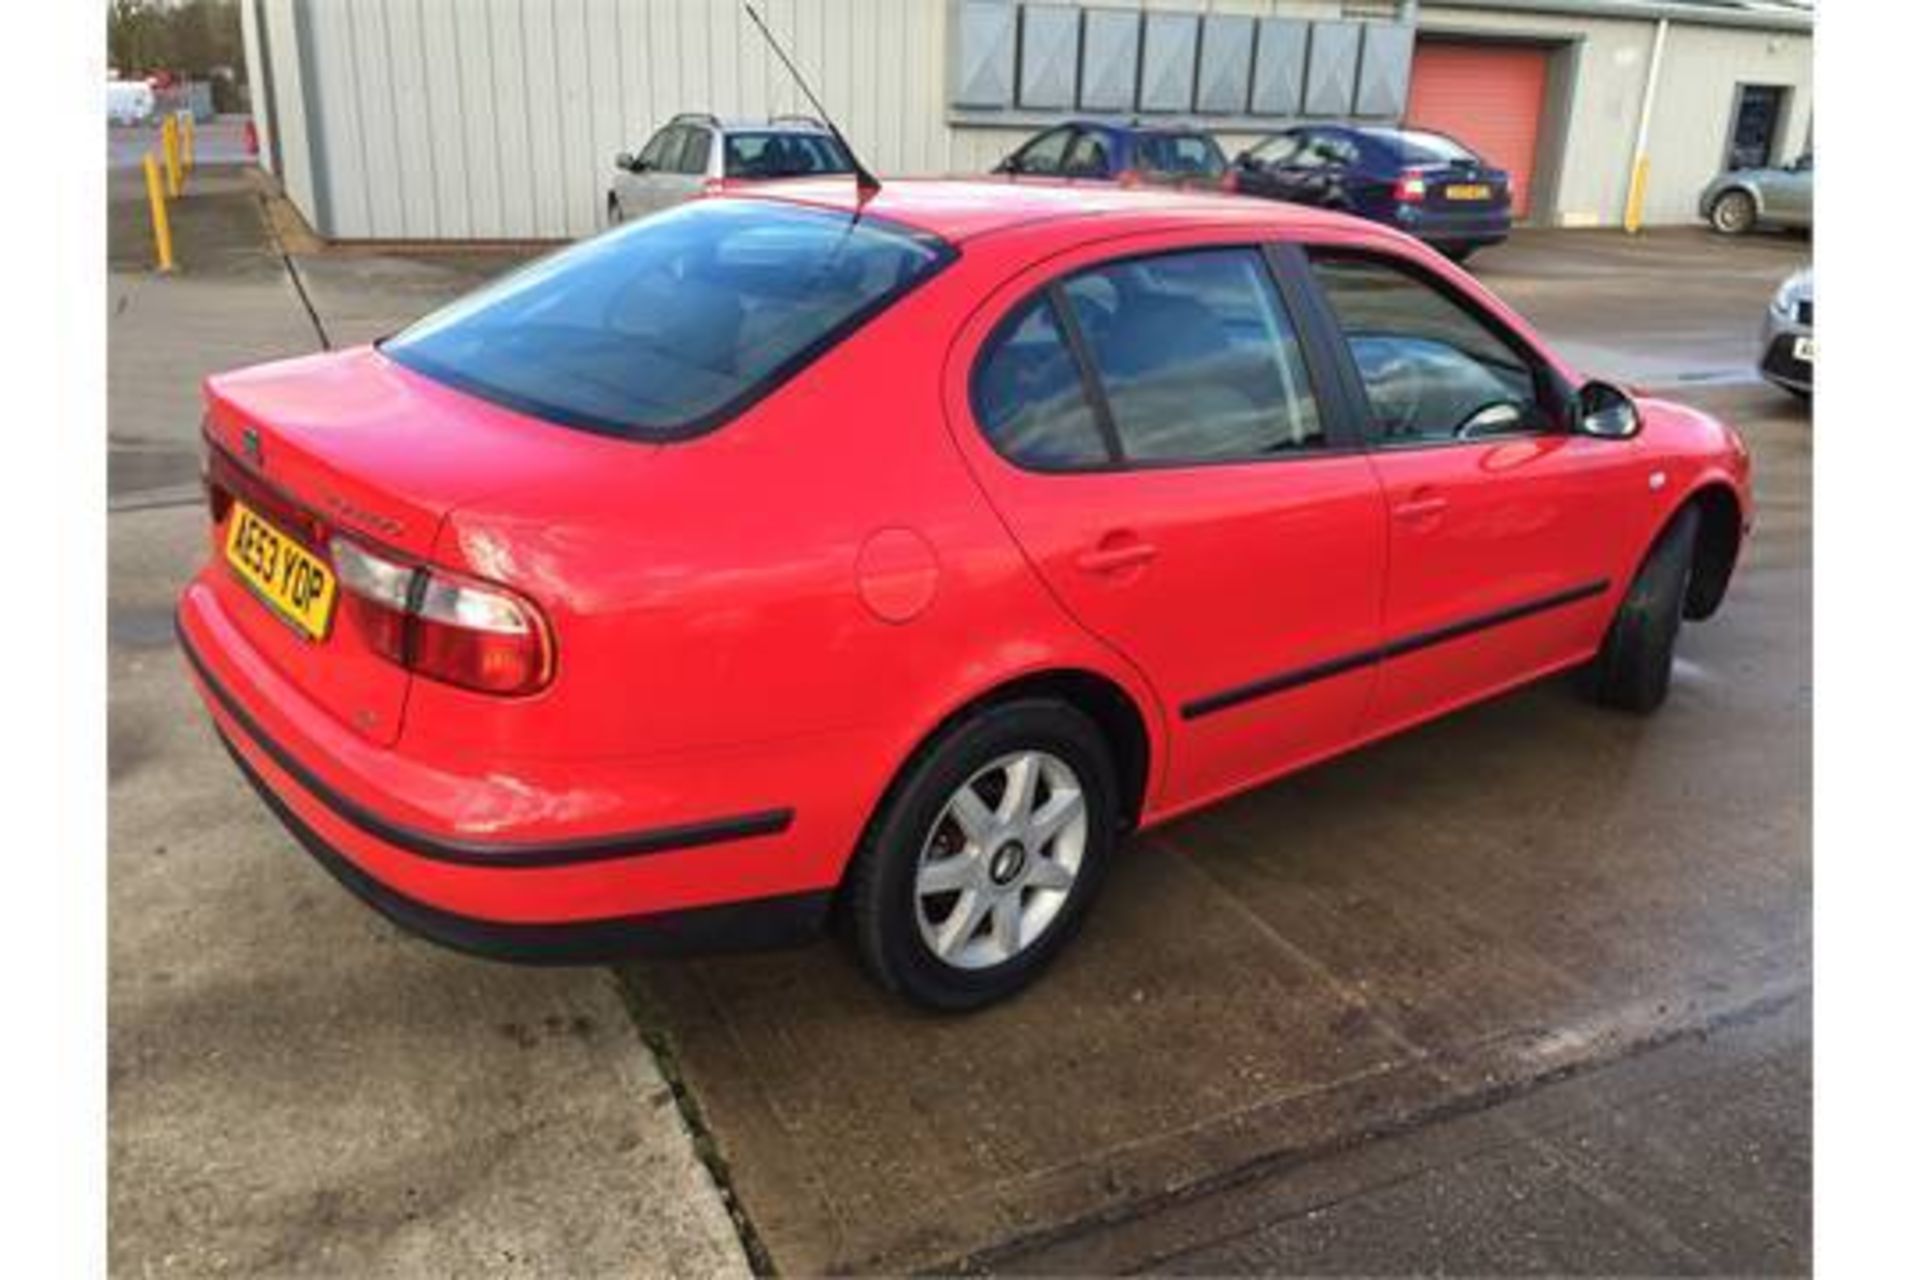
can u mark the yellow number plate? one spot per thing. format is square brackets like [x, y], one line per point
[281, 571]
[1469, 191]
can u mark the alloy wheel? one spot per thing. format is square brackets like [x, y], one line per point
[1000, 860]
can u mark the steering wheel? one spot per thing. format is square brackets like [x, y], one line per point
[1490, 418]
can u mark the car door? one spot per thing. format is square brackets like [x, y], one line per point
[1312, 173]
[683, 175]
[1505, 529]
[1788, 195]
[633, 186]
[1149, 422]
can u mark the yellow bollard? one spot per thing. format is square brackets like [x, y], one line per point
[1636, 194]
[157, 203]
[170, 151]
[186, 142]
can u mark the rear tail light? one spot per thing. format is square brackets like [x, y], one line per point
[1411, 188]
[443, 626]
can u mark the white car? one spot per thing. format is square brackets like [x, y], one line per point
[129, 101]
[696, 154]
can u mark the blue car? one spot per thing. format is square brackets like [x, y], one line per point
[1422, 182]
[1129, 154]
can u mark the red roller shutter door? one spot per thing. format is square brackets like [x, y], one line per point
[1489, 96]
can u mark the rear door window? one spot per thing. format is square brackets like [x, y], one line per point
[695, 148]
[1089, 156]
[1030, 396]
[667, 327]
[1196, 357]
[1179, 155]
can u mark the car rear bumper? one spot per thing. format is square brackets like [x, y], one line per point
[722, 882]
[1473, 227]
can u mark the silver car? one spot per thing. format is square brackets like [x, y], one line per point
[1786, 338]
[1741, 199]
[696, 153]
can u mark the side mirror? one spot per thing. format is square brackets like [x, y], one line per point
[626, 160]
[1244, 160]
[1605, 412]
[1009, 165]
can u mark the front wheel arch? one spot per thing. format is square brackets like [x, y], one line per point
[1715, 550]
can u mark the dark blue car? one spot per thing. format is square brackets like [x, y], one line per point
[1422, 182]
[1107, 151]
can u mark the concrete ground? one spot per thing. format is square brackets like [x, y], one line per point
[294, 1088]
[1525, 990]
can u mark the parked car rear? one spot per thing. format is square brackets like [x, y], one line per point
[1129, 154]
[698, 154]
[1417, 180]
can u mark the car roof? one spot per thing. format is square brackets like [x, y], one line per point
[958, 209]
[1132, 126]
[748, 124]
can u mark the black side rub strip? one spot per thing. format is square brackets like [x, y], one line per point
[479, 853]
[1280, 683]
[752, 925]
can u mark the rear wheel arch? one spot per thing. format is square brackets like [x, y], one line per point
[1115, 711]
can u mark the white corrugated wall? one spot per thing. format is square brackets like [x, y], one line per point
[499, 119]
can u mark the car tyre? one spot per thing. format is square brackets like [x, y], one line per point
[913, 934]
[1635, 665]
[1733, 213]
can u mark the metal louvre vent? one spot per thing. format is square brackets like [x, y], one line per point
[1025, 61]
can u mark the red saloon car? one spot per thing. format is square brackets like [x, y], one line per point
[780, 554]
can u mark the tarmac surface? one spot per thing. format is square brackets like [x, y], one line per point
[1526, 990]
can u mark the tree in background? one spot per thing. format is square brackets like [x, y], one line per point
[194, 40]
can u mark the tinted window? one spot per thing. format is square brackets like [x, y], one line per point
[1088, 156]
[1028, 394]
[1417, 146]
[1433, 370]
[666, 141]
[783, 155]
[1281, 149]
[1178, 155]
[668, 325]
[694, 150]
[1045, 153]
[1196, 356]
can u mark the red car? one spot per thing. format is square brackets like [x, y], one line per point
[779, 556]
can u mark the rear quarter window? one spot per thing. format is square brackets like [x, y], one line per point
[666, 327]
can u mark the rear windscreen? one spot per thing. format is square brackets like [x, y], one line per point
[666, 327]
[1417, 146]
[783, 155]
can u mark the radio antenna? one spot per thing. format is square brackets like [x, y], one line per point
[867, 184]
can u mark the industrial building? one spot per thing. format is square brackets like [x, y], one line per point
[499, 119]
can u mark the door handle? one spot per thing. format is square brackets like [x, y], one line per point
[1423, 505]
[1115, 554]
